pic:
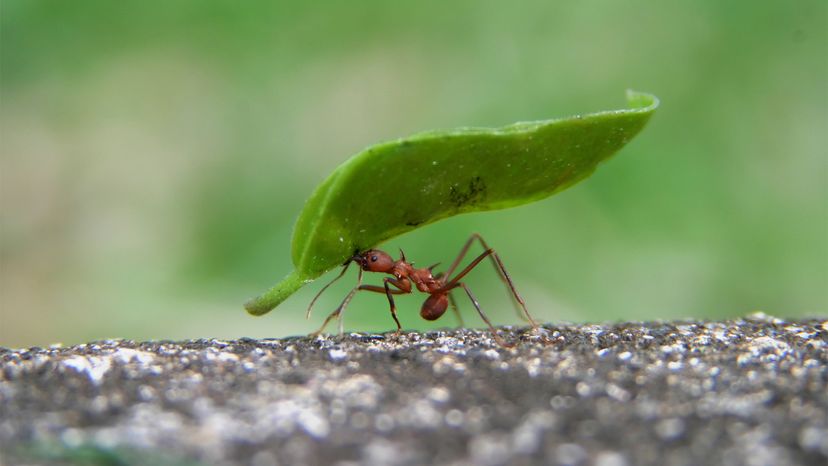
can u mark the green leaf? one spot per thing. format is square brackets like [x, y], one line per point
[395, 187]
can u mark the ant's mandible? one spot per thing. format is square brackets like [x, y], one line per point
[439, 286]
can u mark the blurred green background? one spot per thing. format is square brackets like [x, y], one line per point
[155, 155]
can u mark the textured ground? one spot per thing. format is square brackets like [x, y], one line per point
[743, 392]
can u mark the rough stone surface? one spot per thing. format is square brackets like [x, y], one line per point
[752, 391]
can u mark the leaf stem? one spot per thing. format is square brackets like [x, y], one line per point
[271, 298]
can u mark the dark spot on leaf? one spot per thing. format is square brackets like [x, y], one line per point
[414, 223]
[475, 191]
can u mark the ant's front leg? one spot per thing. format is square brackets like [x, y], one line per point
[339, 309]
[313, 301]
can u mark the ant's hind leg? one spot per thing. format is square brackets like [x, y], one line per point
[452, 301]
[499, 268]
[456, 310]
[497, 338]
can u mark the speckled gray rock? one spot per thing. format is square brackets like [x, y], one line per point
[742, 392]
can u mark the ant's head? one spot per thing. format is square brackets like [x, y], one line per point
[374, 260]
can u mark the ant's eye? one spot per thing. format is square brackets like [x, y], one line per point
[373, 258]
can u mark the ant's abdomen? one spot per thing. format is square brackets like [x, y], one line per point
[434, 307]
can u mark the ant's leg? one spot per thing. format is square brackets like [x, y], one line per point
[485, 319]
[463, 251]
[452, 301]
[339, 309]
[504, 275]
[391, 302]
[403, 289]
[455, 309]
[388, 292]
[499, 267]
[379, 289]
[313, 301]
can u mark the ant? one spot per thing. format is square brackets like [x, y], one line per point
[439, 286]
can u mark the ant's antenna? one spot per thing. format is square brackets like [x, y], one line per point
[344, 269]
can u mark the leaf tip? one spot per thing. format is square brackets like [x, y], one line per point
[642, 100]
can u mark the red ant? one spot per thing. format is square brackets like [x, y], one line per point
[438, 286]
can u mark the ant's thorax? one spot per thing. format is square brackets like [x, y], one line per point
[402, 269]
[422, 278]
